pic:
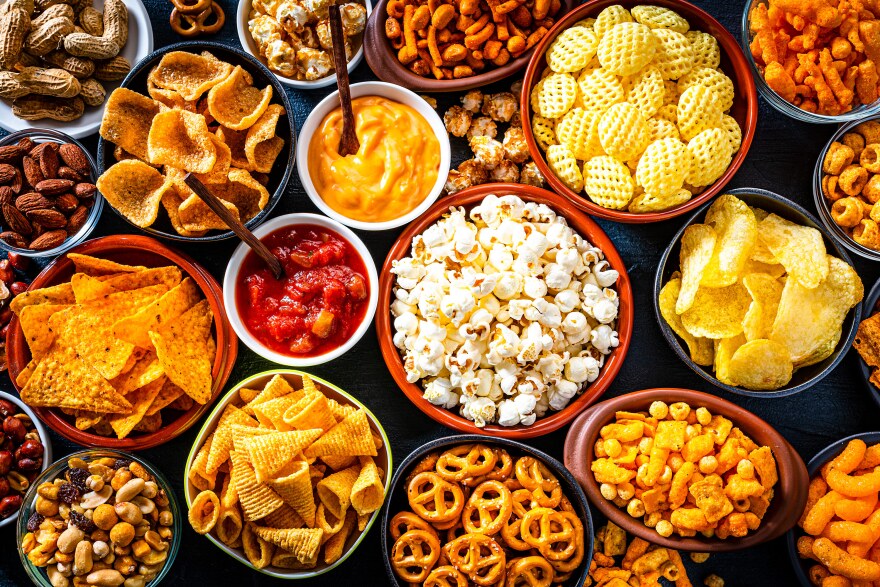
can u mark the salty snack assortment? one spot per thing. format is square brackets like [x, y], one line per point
[685, 470]
[819, 55]
[633, 109]
[757, 296]
[503, 312]
[56, 56]
[288, 476]
[116, 345]
[479, 515]
[293, 37]
[203, 116]
[21, 457]
[841, 521]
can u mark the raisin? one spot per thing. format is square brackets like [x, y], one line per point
[33, 523]
[82, 522]
[120, 463]
[78, 477]
[69, 493]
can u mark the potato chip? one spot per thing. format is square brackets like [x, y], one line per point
[737, 232]
[167, 395]
[717, 312]
[195, 215]
[268, 453]
[766, 292]
[167, 308]
[367, 493]
[87, 288]
[296, 491]
[700, 349]
[262, 145]
[724, 350]
[181, 139]
[127, 120]
[96, 266]
[171, 201]
[608, 183]
[141, 400]
[572, 49]
[626, 48]
[242, 191]
[236, 103]
[190, 75]
[760, 365]
[800, 249]
[697, 246]
[181, 346]
[257, 500]
[824, 350]
[34, 321]
[349, 437]
[134, 189]
[302, 543]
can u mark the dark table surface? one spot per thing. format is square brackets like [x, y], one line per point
[781, 159]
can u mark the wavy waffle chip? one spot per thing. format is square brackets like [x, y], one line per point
[609, 17]
[698, 109]
[257, 500]
[268, 453]
[262, 145]
[350, 437]
[707, 53]
[236, 103]
[572, 49]
[658, 17]
[181, 139]
[296, 491]
[557, 94]
[334, 491]
[659, 128]
[674, 56]
[623, 132]
[196, 216]
[190, 75]
[710, 157]
[544, 132]
[712, 79]
[563, 164]
[734, 132]
[134, 189]
[626, 48]
[645, 90]
[579, 132]
[608, 182]
[127, 119]
[662, 167]
[598, 89]
[302, 543]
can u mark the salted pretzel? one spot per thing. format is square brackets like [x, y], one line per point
[502, 470]
[487, 509]
[455, 531]
[414, 555]
[466, 460]
[529, 571]
[428, 463]
[522, 500]
[445, 576]
[403, 522]
[568, 565]
[552, 533]
[537, 478]
[193, 25]
[479, 557]
[191, 6]
[429, 496]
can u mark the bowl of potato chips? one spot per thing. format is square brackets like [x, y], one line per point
[288, 474]
[762, 301]
[202, 108]
[115, 344]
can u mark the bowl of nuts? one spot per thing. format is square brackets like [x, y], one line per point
[48, 198]
[105, 517]
[24, 451]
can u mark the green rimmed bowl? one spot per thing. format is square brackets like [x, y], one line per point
[294, 378]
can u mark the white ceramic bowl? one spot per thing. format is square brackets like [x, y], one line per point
[44, 439]
[392, 92]
[244, 37]
[231, 279]
[383, 460]
[139, 45]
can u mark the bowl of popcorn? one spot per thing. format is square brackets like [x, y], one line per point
[638, 113]
[510, 311]
[293, 40]
[815, 61]
[687, 470]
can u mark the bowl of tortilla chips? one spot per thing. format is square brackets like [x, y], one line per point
[201, 108]
[115, 344]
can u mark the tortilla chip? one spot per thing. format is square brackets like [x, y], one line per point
[169, 307]
[183, 351]
[167, 395]
[257, 500]
[335, 490]
[141, 400]
[368, 492]
[268, 453]
[349, 437]
[134, 189]
[61, 294]
[25, 374]
[145, 371]
[87, 288]
[127, 120]
[35, 327]
[296, 490]
[96, 266]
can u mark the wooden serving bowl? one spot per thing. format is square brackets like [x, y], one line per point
[136, 250]
[584, 226]
[790, 492]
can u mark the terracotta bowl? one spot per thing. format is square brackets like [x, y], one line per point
[138, 250]
[396, 500]
[579, 222]
[870, 306]
[802, 566]
[784, 511]
[382, 59]
[734, 64]
[803, 378]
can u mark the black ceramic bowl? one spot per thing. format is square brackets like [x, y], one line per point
[870, 306]
[396, 500]
[136, 80]
[802, 566]
[803, 378]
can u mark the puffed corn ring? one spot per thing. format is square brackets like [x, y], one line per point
[853, 178]
[204, 512]
[870, 157]
[848, 212]
[837, 158]
[854, 141]
[871, 191]
[831, 189]
[870, 130]
[867, 234]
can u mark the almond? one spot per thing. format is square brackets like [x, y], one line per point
[7, 172]
[31, 169]
[26, 144]
[32, 201]
[14, 239]
[49, 160]
[77, 220]
[17, 182]
[48, 240]
[74, 158]
[49, 219]
[67, 203]
[6, 195]
[52, 187]
[16, 220]
[65, 172]
[84, 190]
[10, 153]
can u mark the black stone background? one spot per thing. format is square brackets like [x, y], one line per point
[781, 159]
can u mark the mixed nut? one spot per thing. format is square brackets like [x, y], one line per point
[46, 192]
[21, 457]
[103, 522]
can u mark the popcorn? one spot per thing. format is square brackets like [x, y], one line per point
[504, 312]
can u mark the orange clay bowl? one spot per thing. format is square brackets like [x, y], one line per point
[584, 226]
[133, 250]
[790, 492]
[733, 63]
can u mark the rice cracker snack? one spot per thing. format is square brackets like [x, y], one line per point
[633, 110]
[202, 116]
[289, 476]
[117, 345]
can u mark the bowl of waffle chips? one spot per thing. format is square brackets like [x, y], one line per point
[288, 474]
[121, 343]
[638, 112]
[201, 108]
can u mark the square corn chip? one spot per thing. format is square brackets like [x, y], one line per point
[303, 543]
[127, 119]
[196, 216]
[271, 413]
[34, 321]
[134, 189]
[141, 400]
[96, 266]
[167, 395]
[368, 492]
[296, 490]
[223, 435]
[270, 452]
[173, 304]
[181, 346]
[276, 387]
[235, 103]
[61, 294]
[334, 491]
[190, 75]
[312, 411]
[262, 145]
[181, 139]
[87, 288]
[257, 500]
[349, 437]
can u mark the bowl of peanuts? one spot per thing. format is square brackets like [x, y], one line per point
[449, 47]
[711, 477]
[841, 508]
[846, 185]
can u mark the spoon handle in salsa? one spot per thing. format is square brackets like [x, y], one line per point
[348, 143]
[214, 203]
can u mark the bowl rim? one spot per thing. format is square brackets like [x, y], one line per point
[224, 359]
[598, 238]
[392, 92]
[672, 338]
[573, 491]
[730, 48]
[230, 283]
[209, 425]
[278, 91]
[791, 488]
[869, 303]
[247, 42]
[44, 440]
[815, 463]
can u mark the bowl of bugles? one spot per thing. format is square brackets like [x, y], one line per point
[200, 108]
[761, 302]
[636, 112]
[288, 474]
[471, 510]
[117, 355]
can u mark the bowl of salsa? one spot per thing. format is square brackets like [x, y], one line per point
[323, 303]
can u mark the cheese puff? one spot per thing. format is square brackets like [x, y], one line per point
[780, 81]
[818, 516]
[871, 191]
[861, 549]
[856, 510]
[845, 531]
[738, 488]
[853, 178]
[686, 518]
[869, 33]
[840, 48]
[831, 189]
[840, 562]
[805, 547]
[867, 234]
[854, 486]
[821, 12]
[837, 158]
[815, 79]
[818, 573]
[866, 82]
[835, 581]
[872, 457]
[848, 212]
